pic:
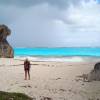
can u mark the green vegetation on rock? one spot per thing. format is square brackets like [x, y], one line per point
[13, 96]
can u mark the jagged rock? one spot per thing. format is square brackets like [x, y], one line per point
[95, 73]
[97, 67]
[6, 51]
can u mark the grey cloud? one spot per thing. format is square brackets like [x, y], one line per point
[28, 3]
[42, 23]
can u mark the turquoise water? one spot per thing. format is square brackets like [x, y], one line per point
[57, 52]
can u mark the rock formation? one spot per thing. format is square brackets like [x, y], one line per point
[97, 67]
[6, 51]
[95, 73]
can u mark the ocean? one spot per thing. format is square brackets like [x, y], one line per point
[57, 54]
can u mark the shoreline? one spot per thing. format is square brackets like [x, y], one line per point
[60, 59]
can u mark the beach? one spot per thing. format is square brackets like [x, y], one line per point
[57, 80]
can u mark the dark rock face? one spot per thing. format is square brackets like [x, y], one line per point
[6, 51]
[97, 67]
[94, 75]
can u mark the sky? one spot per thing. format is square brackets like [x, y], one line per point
[52, 23]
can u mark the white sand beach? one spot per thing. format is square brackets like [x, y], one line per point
[55, 80]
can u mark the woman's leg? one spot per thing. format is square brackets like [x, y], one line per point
[25, 74]
[29, 74]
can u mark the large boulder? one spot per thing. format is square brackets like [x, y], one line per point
[97, 67]
[6, 51]
[95, 73]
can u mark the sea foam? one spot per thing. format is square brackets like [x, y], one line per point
[60, 59]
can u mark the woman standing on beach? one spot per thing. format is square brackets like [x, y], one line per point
[27, 69]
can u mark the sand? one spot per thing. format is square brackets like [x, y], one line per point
[55, 80]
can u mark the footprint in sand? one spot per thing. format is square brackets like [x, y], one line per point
[46, 98]
[35, 87]
[57, 78]
[53, 91]
[26, 86]
[63, 90]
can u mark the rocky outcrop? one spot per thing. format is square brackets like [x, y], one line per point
[6, 51]
[95, 73]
